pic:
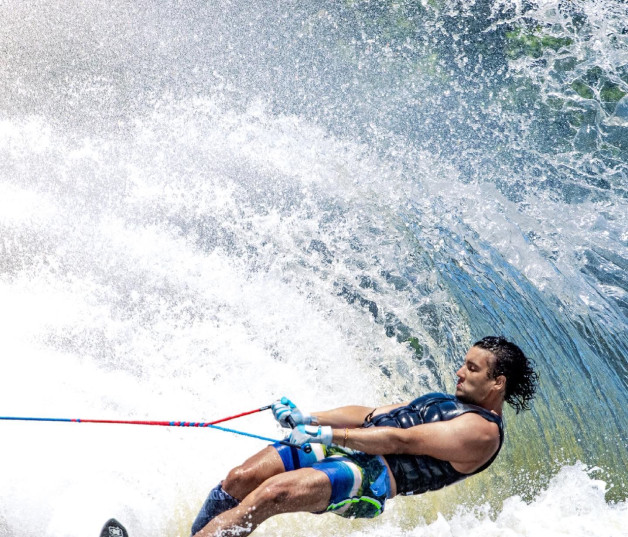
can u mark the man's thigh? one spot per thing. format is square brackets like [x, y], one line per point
[300, 490]
[266, 462]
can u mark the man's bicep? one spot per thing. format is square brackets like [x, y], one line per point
[346, 416]
[387, 408]
[466, 439]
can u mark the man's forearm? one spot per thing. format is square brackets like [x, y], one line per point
[346, 416]
[374, 440]
[350, 416]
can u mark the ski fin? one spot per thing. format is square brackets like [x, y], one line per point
[113, 528]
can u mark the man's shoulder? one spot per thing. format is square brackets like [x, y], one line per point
[477, 420]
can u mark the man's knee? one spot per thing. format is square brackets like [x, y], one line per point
[241, 480]
[248, 476]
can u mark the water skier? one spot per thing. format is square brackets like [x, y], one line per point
[361, 457]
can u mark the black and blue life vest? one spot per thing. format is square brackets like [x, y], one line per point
[416, 474]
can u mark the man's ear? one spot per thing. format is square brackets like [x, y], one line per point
[500, 383]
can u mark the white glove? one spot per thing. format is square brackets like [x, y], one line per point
[306, 434]
[288, 415]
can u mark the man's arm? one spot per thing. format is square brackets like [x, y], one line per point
[349, 416]
[467, 441]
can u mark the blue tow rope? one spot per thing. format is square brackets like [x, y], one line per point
[162, 423]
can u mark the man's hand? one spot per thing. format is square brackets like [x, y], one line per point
[288, 415]
[306, 434]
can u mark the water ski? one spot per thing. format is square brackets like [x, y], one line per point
[113, 528]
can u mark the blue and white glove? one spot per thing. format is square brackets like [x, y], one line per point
[307, 434]
[288, 415]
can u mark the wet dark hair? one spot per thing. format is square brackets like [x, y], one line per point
[521, 379]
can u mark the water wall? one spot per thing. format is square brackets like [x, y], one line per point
[207, 205]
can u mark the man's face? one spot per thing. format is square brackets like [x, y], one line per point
[474, 385]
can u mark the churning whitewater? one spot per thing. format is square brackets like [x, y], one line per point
[207, 206]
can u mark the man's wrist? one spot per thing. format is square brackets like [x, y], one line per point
[340, 437]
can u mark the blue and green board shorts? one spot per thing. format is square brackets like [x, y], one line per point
[359, 482]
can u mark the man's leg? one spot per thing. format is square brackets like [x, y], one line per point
[299, 490]
[245, 478]
[238, 484]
